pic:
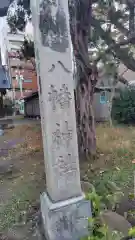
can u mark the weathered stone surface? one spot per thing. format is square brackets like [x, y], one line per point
[86, 187]
[64, 211]
[58, 110]
[126, 206]
[66, 220]
[116, 222]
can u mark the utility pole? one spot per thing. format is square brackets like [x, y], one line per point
[19, 78]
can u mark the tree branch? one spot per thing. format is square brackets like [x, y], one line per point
[114, 47]
[122, 80]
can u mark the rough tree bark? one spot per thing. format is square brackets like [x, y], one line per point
[80, 22]
[115, 81]
[131, 6]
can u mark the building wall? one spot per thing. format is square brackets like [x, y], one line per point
[29, 82]
[16, 65]
[101, 110]
[31, 107]
[14, 41]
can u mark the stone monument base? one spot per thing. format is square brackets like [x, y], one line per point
[65, 220]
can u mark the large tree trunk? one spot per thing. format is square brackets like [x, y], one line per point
[131, 6]
[85, 119]
[80, 19]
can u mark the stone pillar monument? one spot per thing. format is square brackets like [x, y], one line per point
[64, 209]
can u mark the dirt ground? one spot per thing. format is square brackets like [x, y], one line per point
[21, 173]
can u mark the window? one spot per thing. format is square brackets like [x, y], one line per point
[103, 98]
[27, 80]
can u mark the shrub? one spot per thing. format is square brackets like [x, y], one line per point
[97, 229]
[123, 110]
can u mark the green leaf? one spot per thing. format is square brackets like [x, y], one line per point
[131, 232]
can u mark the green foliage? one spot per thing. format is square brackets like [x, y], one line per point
[103, 40]
[123, 110]
[132, 232]
[97, 229]
[17, 21]
[25, 4]
[27, 49]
